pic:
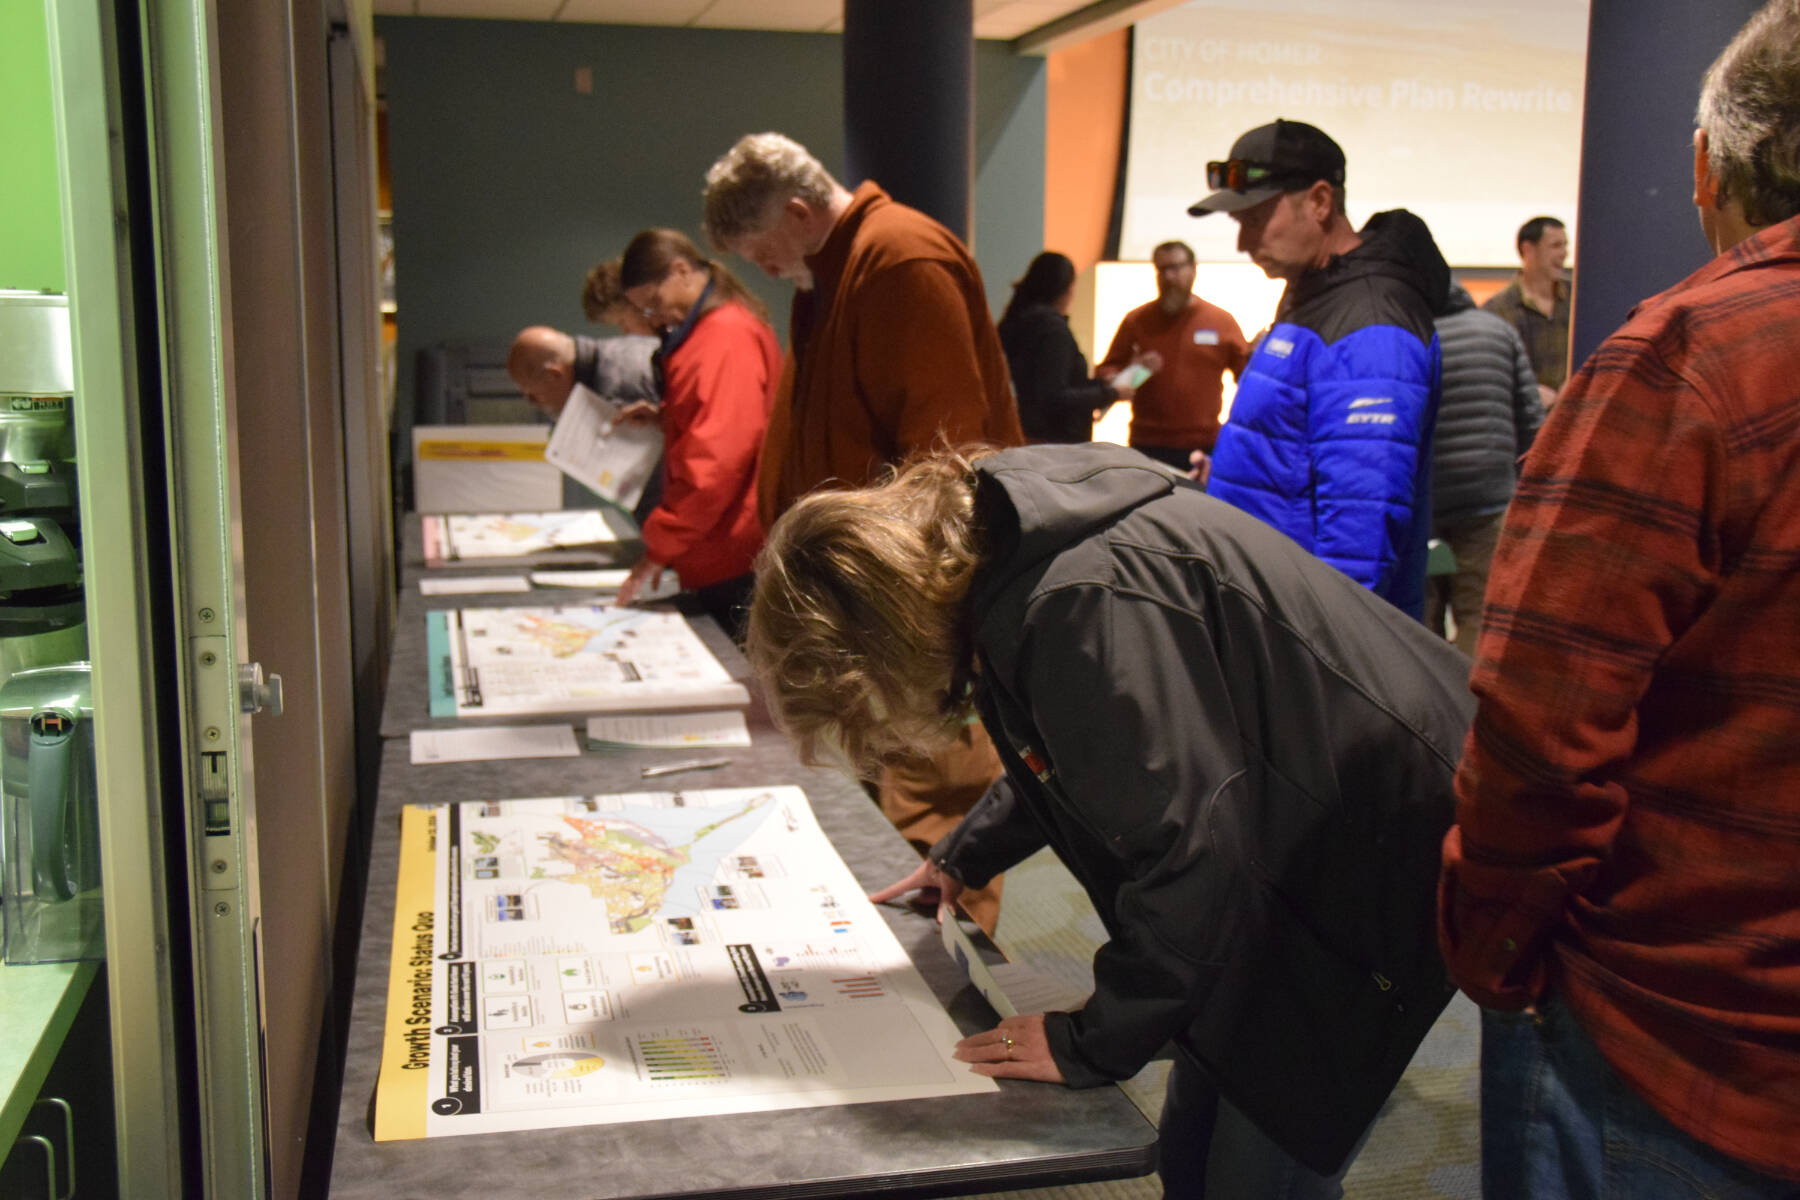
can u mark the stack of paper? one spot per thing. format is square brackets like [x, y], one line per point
[611, 458]
[668, 731]
[484, 745]
[472, 585]
[608, 580]
[482, 468]
[1009, 988]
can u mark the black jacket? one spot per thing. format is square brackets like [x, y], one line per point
[1488, 413]
[1050, 376]
[1244, 757]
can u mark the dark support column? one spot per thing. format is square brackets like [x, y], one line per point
[1638, 232]
[909, 73]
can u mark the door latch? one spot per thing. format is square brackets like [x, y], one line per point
[257, 691]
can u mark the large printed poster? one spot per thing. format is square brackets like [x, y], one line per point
[465, 536]
[486, 662]
[589, 959]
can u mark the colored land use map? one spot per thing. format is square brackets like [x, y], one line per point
[582, 960]
[626, 866]
[457, 538]
[575, 658]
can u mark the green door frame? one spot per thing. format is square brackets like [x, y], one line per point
[159, 491]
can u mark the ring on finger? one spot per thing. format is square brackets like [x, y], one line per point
[1007, 1039]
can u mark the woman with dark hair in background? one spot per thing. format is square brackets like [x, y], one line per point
[1057, 400]
[718, 366]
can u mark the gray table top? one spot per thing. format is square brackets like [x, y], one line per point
[622, 553]
[1026, 1135]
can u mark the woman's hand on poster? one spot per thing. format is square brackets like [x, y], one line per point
[927, 878]
[1017, 1048]
[646, 574]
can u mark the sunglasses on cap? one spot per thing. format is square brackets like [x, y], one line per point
[1240, 175]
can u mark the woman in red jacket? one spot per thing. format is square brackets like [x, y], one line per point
[718, 367]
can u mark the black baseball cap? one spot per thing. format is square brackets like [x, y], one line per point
[1284, 156]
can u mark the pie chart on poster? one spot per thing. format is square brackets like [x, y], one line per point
[564, 1064]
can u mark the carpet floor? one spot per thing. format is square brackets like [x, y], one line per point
[1425, 1144]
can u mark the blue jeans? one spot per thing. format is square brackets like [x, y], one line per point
[1557, 1122]
[1206, 1148]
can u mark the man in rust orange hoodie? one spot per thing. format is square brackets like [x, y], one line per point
[893, 352]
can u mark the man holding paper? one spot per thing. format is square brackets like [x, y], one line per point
[547, 365]
[719, 364]
[1175, 350]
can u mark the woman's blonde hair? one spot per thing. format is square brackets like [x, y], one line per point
[601, 292]
[858, 628]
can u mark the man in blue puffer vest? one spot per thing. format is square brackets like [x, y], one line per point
[1329, 439]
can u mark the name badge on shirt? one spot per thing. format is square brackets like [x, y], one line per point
[1206, 337]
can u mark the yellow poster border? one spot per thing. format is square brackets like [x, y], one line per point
[403, 1090]
[441, 450]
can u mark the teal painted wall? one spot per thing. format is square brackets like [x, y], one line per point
[30, 205]
[508, 185]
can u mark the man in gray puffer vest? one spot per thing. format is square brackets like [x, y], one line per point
[1487, 416]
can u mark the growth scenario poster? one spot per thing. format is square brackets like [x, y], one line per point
[590, 959]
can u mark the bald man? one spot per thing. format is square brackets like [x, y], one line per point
[547, 363]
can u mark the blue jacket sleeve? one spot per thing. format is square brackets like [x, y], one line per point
[1370, 408]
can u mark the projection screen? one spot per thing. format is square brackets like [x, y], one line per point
[1468, 112]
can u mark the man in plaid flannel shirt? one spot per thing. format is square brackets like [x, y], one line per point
[1622, 889]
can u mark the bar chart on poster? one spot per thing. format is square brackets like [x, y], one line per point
[1464, 111]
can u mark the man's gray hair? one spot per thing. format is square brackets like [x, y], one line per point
[763, 170]
[1750, 110]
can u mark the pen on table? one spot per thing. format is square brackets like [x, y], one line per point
[698, 764]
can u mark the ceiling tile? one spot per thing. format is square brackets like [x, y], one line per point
[505, 10]
[993, 18]
[1007, 22]
[1012, 18]
[770, 14]
[633, 12]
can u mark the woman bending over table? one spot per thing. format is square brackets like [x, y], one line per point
[1244, 757]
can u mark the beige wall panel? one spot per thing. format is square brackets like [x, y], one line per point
[283, 290]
